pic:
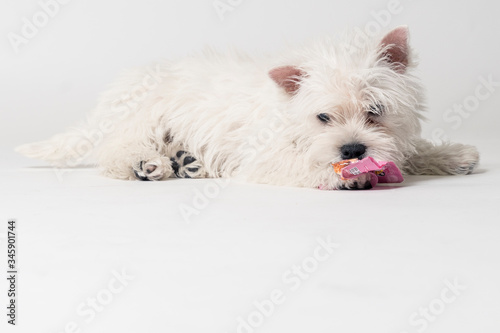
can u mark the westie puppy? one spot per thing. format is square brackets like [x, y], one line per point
[280, 120]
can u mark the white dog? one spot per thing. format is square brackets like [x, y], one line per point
[280, 120]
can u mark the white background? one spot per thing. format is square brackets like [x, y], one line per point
[398, 245]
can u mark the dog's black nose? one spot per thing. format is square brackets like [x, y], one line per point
[352, 150]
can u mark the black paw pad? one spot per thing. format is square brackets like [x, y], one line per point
[140, 176]
[188, 160]
[175, 165]
[181, 162]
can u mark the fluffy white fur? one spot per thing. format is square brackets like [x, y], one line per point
[257, 118]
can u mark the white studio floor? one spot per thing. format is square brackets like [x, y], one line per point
[101, 255]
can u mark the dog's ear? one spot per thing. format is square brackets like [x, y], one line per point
[396, 49]
[287, 77]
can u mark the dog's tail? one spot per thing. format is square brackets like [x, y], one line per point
[67, 149]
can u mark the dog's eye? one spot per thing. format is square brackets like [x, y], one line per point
[376, 109]
[323, 117]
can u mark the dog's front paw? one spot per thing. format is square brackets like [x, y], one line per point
[186, 165]
[362, 182]
[154, 169]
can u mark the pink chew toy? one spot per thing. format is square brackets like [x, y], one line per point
[380, 171]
